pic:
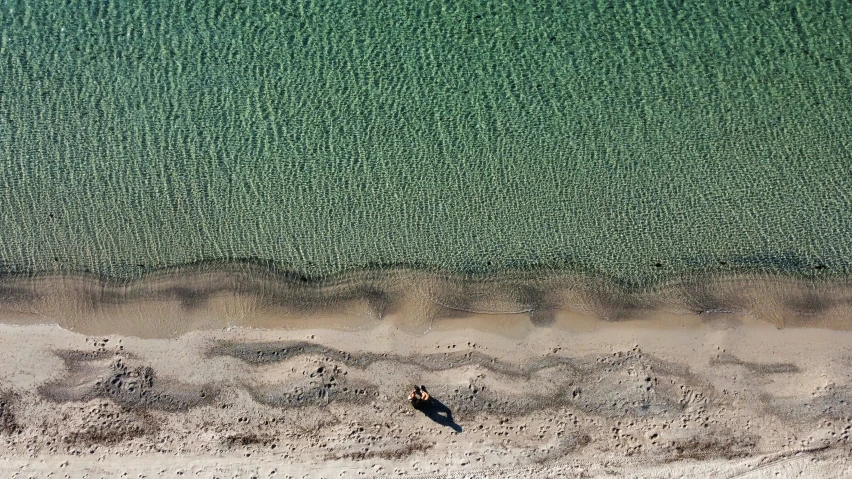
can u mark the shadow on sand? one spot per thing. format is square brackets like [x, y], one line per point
[440, 413]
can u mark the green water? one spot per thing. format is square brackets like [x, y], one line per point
[633, 140]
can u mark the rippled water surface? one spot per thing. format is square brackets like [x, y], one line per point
[633, 140]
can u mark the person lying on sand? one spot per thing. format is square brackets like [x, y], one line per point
[419, 396]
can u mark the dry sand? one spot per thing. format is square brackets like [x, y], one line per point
[154, 387]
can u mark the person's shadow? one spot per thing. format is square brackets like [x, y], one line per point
[438, 412]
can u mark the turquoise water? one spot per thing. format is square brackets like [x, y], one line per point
[632, 140]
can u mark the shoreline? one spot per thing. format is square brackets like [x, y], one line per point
[169, 304]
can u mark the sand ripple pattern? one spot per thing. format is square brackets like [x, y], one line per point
[309, 402]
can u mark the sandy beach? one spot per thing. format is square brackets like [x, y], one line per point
[609, 239]
[322, 392]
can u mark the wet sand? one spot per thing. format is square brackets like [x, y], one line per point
[209, 297]
[167, 377]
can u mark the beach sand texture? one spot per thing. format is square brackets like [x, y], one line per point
[250, 387]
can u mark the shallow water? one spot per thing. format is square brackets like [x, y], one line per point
[216, 297]
[637, 141]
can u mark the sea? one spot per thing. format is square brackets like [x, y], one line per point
[634, 141]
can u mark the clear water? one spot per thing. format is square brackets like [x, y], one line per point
[631, 140]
